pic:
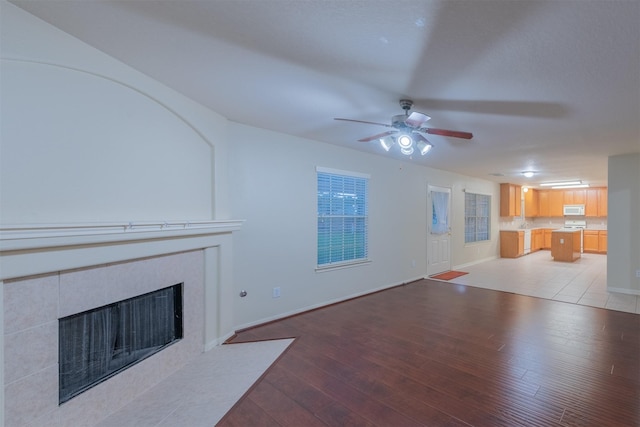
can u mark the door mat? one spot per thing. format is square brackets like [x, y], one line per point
[448, 275]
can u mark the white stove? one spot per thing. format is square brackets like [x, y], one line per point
[580, 224]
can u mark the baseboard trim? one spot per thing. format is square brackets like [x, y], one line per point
[624, 291]
[275, 318]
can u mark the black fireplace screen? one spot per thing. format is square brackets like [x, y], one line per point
[97, 344]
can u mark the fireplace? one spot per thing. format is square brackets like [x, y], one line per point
[48, 273]
[97, 344]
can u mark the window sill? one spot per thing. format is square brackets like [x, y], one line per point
[340, 266]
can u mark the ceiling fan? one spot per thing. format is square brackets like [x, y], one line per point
[407, 131]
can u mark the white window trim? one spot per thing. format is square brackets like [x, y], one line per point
[342, 172]
[351, 263]
[480, 242]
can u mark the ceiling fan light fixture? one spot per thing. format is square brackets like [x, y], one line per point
[386, 143]
[405, 142]
[406, 151]
[424, 147]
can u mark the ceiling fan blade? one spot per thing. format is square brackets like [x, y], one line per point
[380, 135]
[415, 119]
[445, 132]
[362, 121]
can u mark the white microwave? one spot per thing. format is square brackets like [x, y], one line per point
[573, 210]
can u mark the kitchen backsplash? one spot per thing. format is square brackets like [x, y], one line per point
[516, 223]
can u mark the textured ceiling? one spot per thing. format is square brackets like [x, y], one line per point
[548, 86]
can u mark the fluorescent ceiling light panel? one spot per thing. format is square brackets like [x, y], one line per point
[551, 184]
[570, 186]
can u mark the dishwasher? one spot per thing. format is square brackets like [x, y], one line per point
[527, 241]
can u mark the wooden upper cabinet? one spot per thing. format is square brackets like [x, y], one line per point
[575, 197]
[603, 198]
[543, 203]
[591, 204]
[556, 203]
[596, 202]
[510, 199]
[550, 203]
[531, 203]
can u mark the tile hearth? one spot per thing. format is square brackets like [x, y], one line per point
[203, 391]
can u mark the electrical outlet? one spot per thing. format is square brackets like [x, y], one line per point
[276, 292]
[638, 273]
[413, 263]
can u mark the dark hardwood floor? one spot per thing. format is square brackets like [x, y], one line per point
[439, 354]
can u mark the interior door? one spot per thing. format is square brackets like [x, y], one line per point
[439, 230]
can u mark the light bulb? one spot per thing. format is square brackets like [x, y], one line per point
[405, 141]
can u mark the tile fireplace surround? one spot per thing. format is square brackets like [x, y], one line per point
[48, 272]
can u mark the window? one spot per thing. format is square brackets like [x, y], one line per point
[477, 217]
[342, 217]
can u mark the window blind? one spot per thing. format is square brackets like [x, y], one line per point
[342, 217]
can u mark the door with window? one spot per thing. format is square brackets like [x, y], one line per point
[438, 230]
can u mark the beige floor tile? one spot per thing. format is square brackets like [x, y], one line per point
[583, 282]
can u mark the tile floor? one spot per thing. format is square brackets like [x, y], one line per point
[203, 391]
[581, 282]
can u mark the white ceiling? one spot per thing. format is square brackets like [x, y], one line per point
[549, 86]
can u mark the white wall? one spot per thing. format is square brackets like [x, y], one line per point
[273, 188]
[623, 236]
[87, 139]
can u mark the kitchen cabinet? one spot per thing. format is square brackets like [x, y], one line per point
[565, 245]
[550, 203]
[547, 238]
[603, 198]
[511, 243]
[537, 239]
[531, 203]
[602, 241]
[595, 241]
[556, 203]
[591, 203]
[543, 203]
[575, 197]
[510, 200]
[590, 241]
[596, 202]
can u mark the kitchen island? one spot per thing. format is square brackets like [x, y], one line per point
[565, 244]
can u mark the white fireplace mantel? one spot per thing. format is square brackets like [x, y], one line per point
[28, 251]
[31, 249]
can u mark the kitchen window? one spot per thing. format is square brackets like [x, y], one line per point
[477, 217]
[342, 218]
